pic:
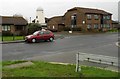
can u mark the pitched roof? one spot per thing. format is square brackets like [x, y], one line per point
[57, 19]
[13, 20]
[90, 10]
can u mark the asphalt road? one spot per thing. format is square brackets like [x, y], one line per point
[62, 50]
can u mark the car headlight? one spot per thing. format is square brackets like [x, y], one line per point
[27, 37]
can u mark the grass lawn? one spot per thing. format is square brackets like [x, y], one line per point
[10, 38]
[44, 69]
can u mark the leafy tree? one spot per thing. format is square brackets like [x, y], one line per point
[32, 27]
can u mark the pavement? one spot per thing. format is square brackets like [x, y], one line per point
[25, 64]
[17, 41]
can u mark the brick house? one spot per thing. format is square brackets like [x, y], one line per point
[85, 19]
[13, 24]
[116, 24]
[56, 23]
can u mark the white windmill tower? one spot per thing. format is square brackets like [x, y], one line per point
[40, 16]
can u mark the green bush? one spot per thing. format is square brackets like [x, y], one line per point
[32, 27]
[113, 30]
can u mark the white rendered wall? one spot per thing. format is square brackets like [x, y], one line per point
[40, 17]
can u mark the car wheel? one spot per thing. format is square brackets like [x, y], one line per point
[33, 40]
[51, 39]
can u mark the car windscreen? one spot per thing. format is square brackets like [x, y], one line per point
[35, 33]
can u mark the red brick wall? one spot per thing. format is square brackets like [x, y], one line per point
[52, 23]
[79, 22]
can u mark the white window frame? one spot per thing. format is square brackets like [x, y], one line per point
[104, 17]
[89, 26]
[108, 17]
[96, 17]
[96, 26]
[89, 16]
[6, 28]
[3, 28]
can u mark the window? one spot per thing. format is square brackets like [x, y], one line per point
[35, 33]
[108, 17]
[89, 16]
[41, 33]
[74, 20]
[108, 25]
[5, 28]
[104, 17]
[89, 26]
[96, 17]
[104, 25]
[46, 32]
[37, 21]
[96, 26]
[8, 27]
[53, 27]
[36, 16]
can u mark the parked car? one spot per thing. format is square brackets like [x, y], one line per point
[40, 35]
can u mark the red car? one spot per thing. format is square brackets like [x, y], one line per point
[40, 35]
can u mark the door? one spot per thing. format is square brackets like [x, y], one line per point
[46, 35]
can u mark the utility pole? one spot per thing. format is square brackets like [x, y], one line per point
[30, 19]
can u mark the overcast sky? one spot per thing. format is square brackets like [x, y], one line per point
[27, 8]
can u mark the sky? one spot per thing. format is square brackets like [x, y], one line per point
[27, 8]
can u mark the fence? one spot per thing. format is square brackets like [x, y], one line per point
[95, 58]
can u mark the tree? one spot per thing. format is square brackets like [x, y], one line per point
[32, 27]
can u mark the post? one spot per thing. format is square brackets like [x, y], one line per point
[13, 37]
[77, 63]
[2, 37]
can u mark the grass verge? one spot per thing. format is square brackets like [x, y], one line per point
[10, 38]
[44, 69]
